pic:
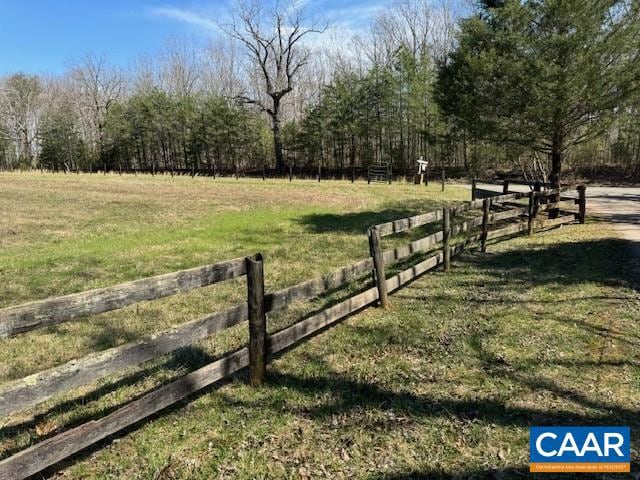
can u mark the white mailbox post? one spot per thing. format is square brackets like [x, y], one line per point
[423, 165]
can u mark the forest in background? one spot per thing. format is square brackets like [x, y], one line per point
[320, 102]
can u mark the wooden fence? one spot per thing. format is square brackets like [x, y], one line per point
[460, 228]
[505, 184]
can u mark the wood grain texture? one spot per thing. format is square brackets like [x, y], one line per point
[257, 320]
[557, 221]
[317, 286]
[404, 224]
[51, 451]
[23, 318]
[508, 197]
[20, 394]
[534, 206]
[467, 225]
[405, 251]
[563, 205]
[446, 235]
[486, 207]
[465, 207]
[378, 264]
[507, 214]
[582, 203]
[510, 230]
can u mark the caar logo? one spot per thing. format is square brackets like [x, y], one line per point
[579, 449]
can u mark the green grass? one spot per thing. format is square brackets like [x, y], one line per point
[541, 330]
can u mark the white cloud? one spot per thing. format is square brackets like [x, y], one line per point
[185, 16]
[355, 17]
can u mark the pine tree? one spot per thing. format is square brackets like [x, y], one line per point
[546, 75]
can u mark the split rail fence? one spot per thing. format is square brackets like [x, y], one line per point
[458, 227]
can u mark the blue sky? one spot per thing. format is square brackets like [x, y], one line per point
[38, 36]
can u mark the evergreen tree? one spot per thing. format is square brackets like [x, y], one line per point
[543, 74]
[61, 146]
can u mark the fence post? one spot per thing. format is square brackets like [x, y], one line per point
[554, 212]
[530, 213]
[534, 211]
[378, 265]
[505, 187]
[446, 234]
[486, 207]
[290, 172]
[257, 320]
[473, 188]
[443, 178]
[582, 203]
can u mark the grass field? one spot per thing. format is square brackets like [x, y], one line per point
[541, 330]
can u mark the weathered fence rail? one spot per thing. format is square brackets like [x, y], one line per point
[456, 234]
[23, 318]
[490, 223]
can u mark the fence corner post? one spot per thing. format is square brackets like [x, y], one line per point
[257, 320]
[378, 265]
[582, 203]
[505, 187]
[443, 175]
[473, 188]
[486, 207]
[446, 235]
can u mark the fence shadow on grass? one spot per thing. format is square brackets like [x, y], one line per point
[358, 222]
[349, 395]
[563, 264]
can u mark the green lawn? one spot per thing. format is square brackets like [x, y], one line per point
[541, 330]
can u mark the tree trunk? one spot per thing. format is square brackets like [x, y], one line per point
[556, 170]
[277, 137]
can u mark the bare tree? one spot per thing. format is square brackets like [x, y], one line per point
[273, 41]
[21, 101]
[423, 27]
[97, 86]
[222, 74]
[144, 76]
[181, 67]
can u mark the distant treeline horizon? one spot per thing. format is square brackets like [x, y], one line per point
[272, 94]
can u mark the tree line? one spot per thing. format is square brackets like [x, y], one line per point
[530, 85]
